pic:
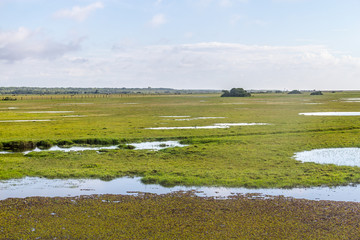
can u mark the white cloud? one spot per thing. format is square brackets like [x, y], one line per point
[229, 3]
[236, 18]
[158, 2]
[24, 43]
[157, 20]
[188, 35]
[79, 13]
[221, 3]
[289, 1]
[245, 20]
[225, 3]
[211, 65]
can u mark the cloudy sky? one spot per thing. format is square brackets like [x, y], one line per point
[183, 44]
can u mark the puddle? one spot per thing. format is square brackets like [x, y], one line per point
[157, 145]
[240, 124]
[138, 146]
[313, 103]
[50, 112]
[331, 114]
[33, 186]
[197, 118]
[199, 127]
[351, 100]
[75, 149]
[32, 120]
[9, 108]
[215, 126]
[337, 156]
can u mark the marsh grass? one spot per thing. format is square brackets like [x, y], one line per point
[250, 156]
[228, 161]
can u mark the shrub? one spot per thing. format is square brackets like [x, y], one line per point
[236, 92]
[316, 93]
[295, 92]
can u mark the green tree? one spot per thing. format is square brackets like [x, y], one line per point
[316, 93]
[295, 92]
[235, 92]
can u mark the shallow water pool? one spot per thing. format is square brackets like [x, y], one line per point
[215, 126]
[331, 114]
[138, 146]
[33, 186]
[337, 156]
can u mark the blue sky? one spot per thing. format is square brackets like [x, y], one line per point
[184, 44]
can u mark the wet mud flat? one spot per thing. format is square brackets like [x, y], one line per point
[180, 215]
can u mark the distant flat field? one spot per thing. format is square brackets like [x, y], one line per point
[122, 116]
[231, 141]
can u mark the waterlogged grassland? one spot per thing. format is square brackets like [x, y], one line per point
[176, 216]
[221, 161]
[251, 156]
[114, 117]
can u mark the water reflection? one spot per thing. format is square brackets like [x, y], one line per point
[351, 99]
[338, 156]
[75, 149]
[215, 126]
[137, 146]
[331, 114]
[156, 145]
[32, 186]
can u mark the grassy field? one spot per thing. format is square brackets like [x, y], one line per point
[250, 156]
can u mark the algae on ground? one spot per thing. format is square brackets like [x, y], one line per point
[177, 216]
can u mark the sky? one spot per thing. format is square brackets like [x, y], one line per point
[182, 44]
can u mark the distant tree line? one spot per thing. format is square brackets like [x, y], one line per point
[312, 93]
[235, 92]
[295, 92]
[73, 91]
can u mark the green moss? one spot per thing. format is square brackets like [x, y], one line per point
[177, 216]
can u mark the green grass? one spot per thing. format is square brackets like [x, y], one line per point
[250, 156]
